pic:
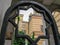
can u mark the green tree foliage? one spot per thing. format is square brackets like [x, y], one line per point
[32, 36]
[19, 41]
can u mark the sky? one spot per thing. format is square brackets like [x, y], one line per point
[26, 14]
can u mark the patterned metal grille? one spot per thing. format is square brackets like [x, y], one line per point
[37, 7]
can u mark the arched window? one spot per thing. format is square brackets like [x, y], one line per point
[56, 15]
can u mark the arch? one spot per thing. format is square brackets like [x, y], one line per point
[56, 14]
[40, 7]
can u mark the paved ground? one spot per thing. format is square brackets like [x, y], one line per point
[7, 42]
